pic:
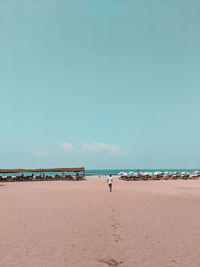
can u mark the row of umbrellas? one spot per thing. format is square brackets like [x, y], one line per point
[158, 173]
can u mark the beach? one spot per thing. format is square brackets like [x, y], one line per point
[80, 223]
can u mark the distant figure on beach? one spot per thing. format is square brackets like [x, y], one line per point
[109, 181]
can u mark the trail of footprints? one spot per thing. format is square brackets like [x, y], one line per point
[117, 238]
[114, 227]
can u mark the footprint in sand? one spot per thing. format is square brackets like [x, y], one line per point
[111, 262]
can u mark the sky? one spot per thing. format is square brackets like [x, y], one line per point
[100, 84]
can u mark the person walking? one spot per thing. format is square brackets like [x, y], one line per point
[109, 181]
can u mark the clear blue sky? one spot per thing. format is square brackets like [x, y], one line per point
[100, 84]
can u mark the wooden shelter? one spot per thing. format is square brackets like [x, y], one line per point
[76, 170]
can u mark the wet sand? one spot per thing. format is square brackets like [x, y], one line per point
[61, 223]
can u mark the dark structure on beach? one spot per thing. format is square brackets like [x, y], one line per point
[42, 174]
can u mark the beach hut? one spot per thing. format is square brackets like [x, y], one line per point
[64, 174]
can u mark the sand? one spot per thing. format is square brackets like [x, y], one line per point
[61, 223]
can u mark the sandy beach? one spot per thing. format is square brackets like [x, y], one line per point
[62, 223]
